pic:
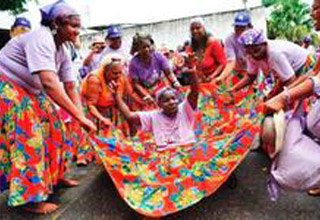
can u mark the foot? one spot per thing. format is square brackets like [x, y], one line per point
[314, 192]
[41, 207]
[82, 163]
[68, 183]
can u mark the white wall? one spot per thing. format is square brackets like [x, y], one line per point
[175, 32]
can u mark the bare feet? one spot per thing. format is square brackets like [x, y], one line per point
[314, 192]
[68, 183]
[82, 163]
[41, 207]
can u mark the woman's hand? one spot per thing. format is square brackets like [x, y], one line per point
[87, 124]
[106, 122]
[149, 100]
[276, 103]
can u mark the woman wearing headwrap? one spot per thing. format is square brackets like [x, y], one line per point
[147, 69]
[97, 94]
[297, 166]
[20, 26]
[208, 53]
[32, 139]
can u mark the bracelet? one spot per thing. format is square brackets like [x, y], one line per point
[175, 83]
[315, 85]
[146, 97]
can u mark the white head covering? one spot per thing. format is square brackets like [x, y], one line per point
[197, 20]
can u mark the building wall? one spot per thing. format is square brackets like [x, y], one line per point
[175, 32]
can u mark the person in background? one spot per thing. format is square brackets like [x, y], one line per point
[92, 61]
[33, 151]
[97, 94]
[147, 69]
[208, 53]
[307, 44]
[114, 46]
[20, 26]
[235, 52]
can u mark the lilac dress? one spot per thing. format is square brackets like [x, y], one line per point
[297, 166]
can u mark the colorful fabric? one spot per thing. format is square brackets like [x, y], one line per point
[157, 183]
[32, 145]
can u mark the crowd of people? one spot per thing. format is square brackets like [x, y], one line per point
[169, 126]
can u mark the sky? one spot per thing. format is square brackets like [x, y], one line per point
[104, 12]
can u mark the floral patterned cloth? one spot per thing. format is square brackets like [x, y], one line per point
[33, 152]
[159, 183]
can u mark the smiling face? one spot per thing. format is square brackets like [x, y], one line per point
[197, 31]
[315, 13]
[168, 102]
[145, 48]
[69, 29]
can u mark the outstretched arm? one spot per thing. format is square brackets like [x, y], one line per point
[132, 117]
[194, 93]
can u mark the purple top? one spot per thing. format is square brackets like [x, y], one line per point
[32, 52]
[235, 51]
[148, 76]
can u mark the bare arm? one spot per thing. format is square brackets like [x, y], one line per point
[54, 89]
[227, 70]
[88, 59]
[73, 94]
[194, 93]
[132, 117]
[172, 79]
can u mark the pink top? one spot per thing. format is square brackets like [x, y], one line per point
[29, 53]
[170, 132]
[284, 59]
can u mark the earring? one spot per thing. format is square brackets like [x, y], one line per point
[54, 32]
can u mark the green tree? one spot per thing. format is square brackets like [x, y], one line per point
[14, 6]
[289, 19]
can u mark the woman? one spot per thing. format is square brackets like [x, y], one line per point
[20, 26]
[179, 155]
[97, 94]
[33, 149]
[146, 69]
[286, 62]
[297, 165]
[235, 52]
[208, 53]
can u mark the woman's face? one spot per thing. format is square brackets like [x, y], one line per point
[145, 48]
[239, 30]
[116, 71]
[315, 13]
[258, 52]
[70, 29]
[197, 31]
[115, 43]
[168, 102]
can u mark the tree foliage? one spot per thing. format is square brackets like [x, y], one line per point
[13, 6]
[289, 19]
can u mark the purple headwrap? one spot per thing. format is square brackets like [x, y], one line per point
[50, 12]
[252, 37]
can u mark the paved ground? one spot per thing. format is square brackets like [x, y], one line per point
[97, 198]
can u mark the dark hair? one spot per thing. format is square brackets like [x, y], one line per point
[195, 45]
[137, 40]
